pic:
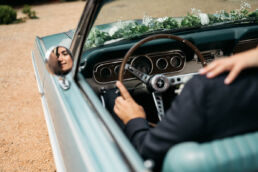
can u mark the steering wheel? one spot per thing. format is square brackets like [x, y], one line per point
[157, 83]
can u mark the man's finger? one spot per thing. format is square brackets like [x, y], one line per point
[232, 75]
[125, 94]
[116, 110]
[208, 68]
[216, 71]
[119, 100]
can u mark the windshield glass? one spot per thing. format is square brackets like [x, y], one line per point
[125, 19]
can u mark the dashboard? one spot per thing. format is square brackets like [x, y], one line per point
[165, 57]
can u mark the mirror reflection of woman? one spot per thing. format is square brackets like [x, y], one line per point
[60, 61]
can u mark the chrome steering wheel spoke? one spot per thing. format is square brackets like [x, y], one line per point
[138, 74]
[158, 100]
[181, 79]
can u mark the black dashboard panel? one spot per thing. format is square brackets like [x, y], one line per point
[245, 44]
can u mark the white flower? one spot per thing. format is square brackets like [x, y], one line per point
[162, 19]
[204, 18]
[244, 5]
[147, 20]
[113, 30]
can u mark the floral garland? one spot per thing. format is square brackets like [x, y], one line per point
[126, 30]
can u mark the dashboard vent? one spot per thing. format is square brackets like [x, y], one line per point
[244, 45]
[210, 55]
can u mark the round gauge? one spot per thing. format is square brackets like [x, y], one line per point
[162, 64]
[175, 61]
[143, 64]
[105, 72]
[116, 69]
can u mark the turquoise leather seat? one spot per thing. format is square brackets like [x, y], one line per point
[238, 153]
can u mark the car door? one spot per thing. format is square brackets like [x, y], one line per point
[81, 139]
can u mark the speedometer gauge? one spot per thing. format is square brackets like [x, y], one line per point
[143, 64]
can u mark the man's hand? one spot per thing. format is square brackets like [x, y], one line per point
[234, 64]
[125, 106]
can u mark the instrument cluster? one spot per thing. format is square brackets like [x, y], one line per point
[154, 63]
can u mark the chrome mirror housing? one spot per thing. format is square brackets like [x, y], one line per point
[59, 60]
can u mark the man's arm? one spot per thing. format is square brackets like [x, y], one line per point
[182, 122]
[234, 64]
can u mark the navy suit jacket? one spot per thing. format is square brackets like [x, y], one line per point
[206, 109]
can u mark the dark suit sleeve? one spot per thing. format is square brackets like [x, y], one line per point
[183, 121]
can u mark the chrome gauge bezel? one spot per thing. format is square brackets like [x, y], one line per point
[137, 57]
[172, 58]
[157, 65]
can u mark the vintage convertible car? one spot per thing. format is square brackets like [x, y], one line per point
[154, 54]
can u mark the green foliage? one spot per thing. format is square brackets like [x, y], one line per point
[191, 21]
[170, 23]
[19, 20]
[166, 23]
[7, 14]
[27, 10]
[97, 38]
[238, 15]
[125, 30]
[253, 14]
[213, 19]
[223, 16]
[130, 30]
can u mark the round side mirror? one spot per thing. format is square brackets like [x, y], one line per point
[59, 60]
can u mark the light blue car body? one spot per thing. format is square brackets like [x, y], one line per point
[84, 137]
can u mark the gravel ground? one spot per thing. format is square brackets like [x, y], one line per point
[24, 142]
